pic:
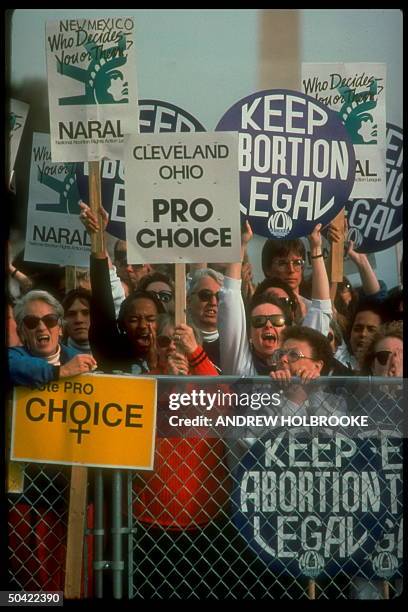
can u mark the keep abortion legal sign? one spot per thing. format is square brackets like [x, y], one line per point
[296, 162]
[182, 198]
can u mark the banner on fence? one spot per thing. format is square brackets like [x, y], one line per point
[309, 505]
[91, 420]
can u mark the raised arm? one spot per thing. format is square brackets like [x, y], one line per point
[369, 280]
[234, 270]
[320, 281]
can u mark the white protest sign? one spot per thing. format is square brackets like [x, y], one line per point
[182, 193]
[18, 112]
[54, 232]
[92, 87]
[358, 92]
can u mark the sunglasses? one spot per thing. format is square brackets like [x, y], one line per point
[163, 296]
[50, 320]
[276, 320]
[205, 295]
[382, 357]
[291, 354]
[163, 341]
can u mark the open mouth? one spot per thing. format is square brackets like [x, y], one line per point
[210, 312]
[43, 339]
[268, 338]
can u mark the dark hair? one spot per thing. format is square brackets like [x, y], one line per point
[280, 248]
[393, 303]
[268, 283]
[349, 310]
[321, 349]
[153, 278]
[132, 297]
[80, 293]
[368, 304]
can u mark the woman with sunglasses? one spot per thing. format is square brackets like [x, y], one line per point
[243, 358]
[43, 358]
[384, 354]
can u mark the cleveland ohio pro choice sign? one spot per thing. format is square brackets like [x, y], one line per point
[182, 198]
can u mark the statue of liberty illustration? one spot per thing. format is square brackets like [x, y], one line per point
[355, 114]
[104, 79]
[67, 189]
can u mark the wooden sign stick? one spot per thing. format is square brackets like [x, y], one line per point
[337, 251]
[311, 589]
[79, 474]
[180, 297]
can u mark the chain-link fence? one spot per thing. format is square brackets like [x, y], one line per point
[239, 505]
[241, 508]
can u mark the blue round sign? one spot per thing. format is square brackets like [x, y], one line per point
[314, 505]
[376, 224]
[296, 162]
[154, 116]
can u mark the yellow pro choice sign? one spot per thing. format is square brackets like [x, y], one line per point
[93, 420]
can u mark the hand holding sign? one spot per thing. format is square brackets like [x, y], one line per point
[90, 219]
[184, 336]
[79, 364]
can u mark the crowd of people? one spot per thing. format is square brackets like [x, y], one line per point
[120, 319]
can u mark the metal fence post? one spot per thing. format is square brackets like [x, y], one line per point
[99, 534]
[118, 565]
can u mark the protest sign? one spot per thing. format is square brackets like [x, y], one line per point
[296, 162]
[310, 505]
[54, 232]
[357, 91]
[184, 198]
[374, 224]
[92, 88]
[94, 420]
[18, 112]
[154, 116]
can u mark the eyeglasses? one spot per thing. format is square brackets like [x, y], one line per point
[164, 341]
[50, 320]
[163, 296]
[276, 320]
[298, 264]
[382, 357]
[291, 354]
[345, 287]
[205, 295]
